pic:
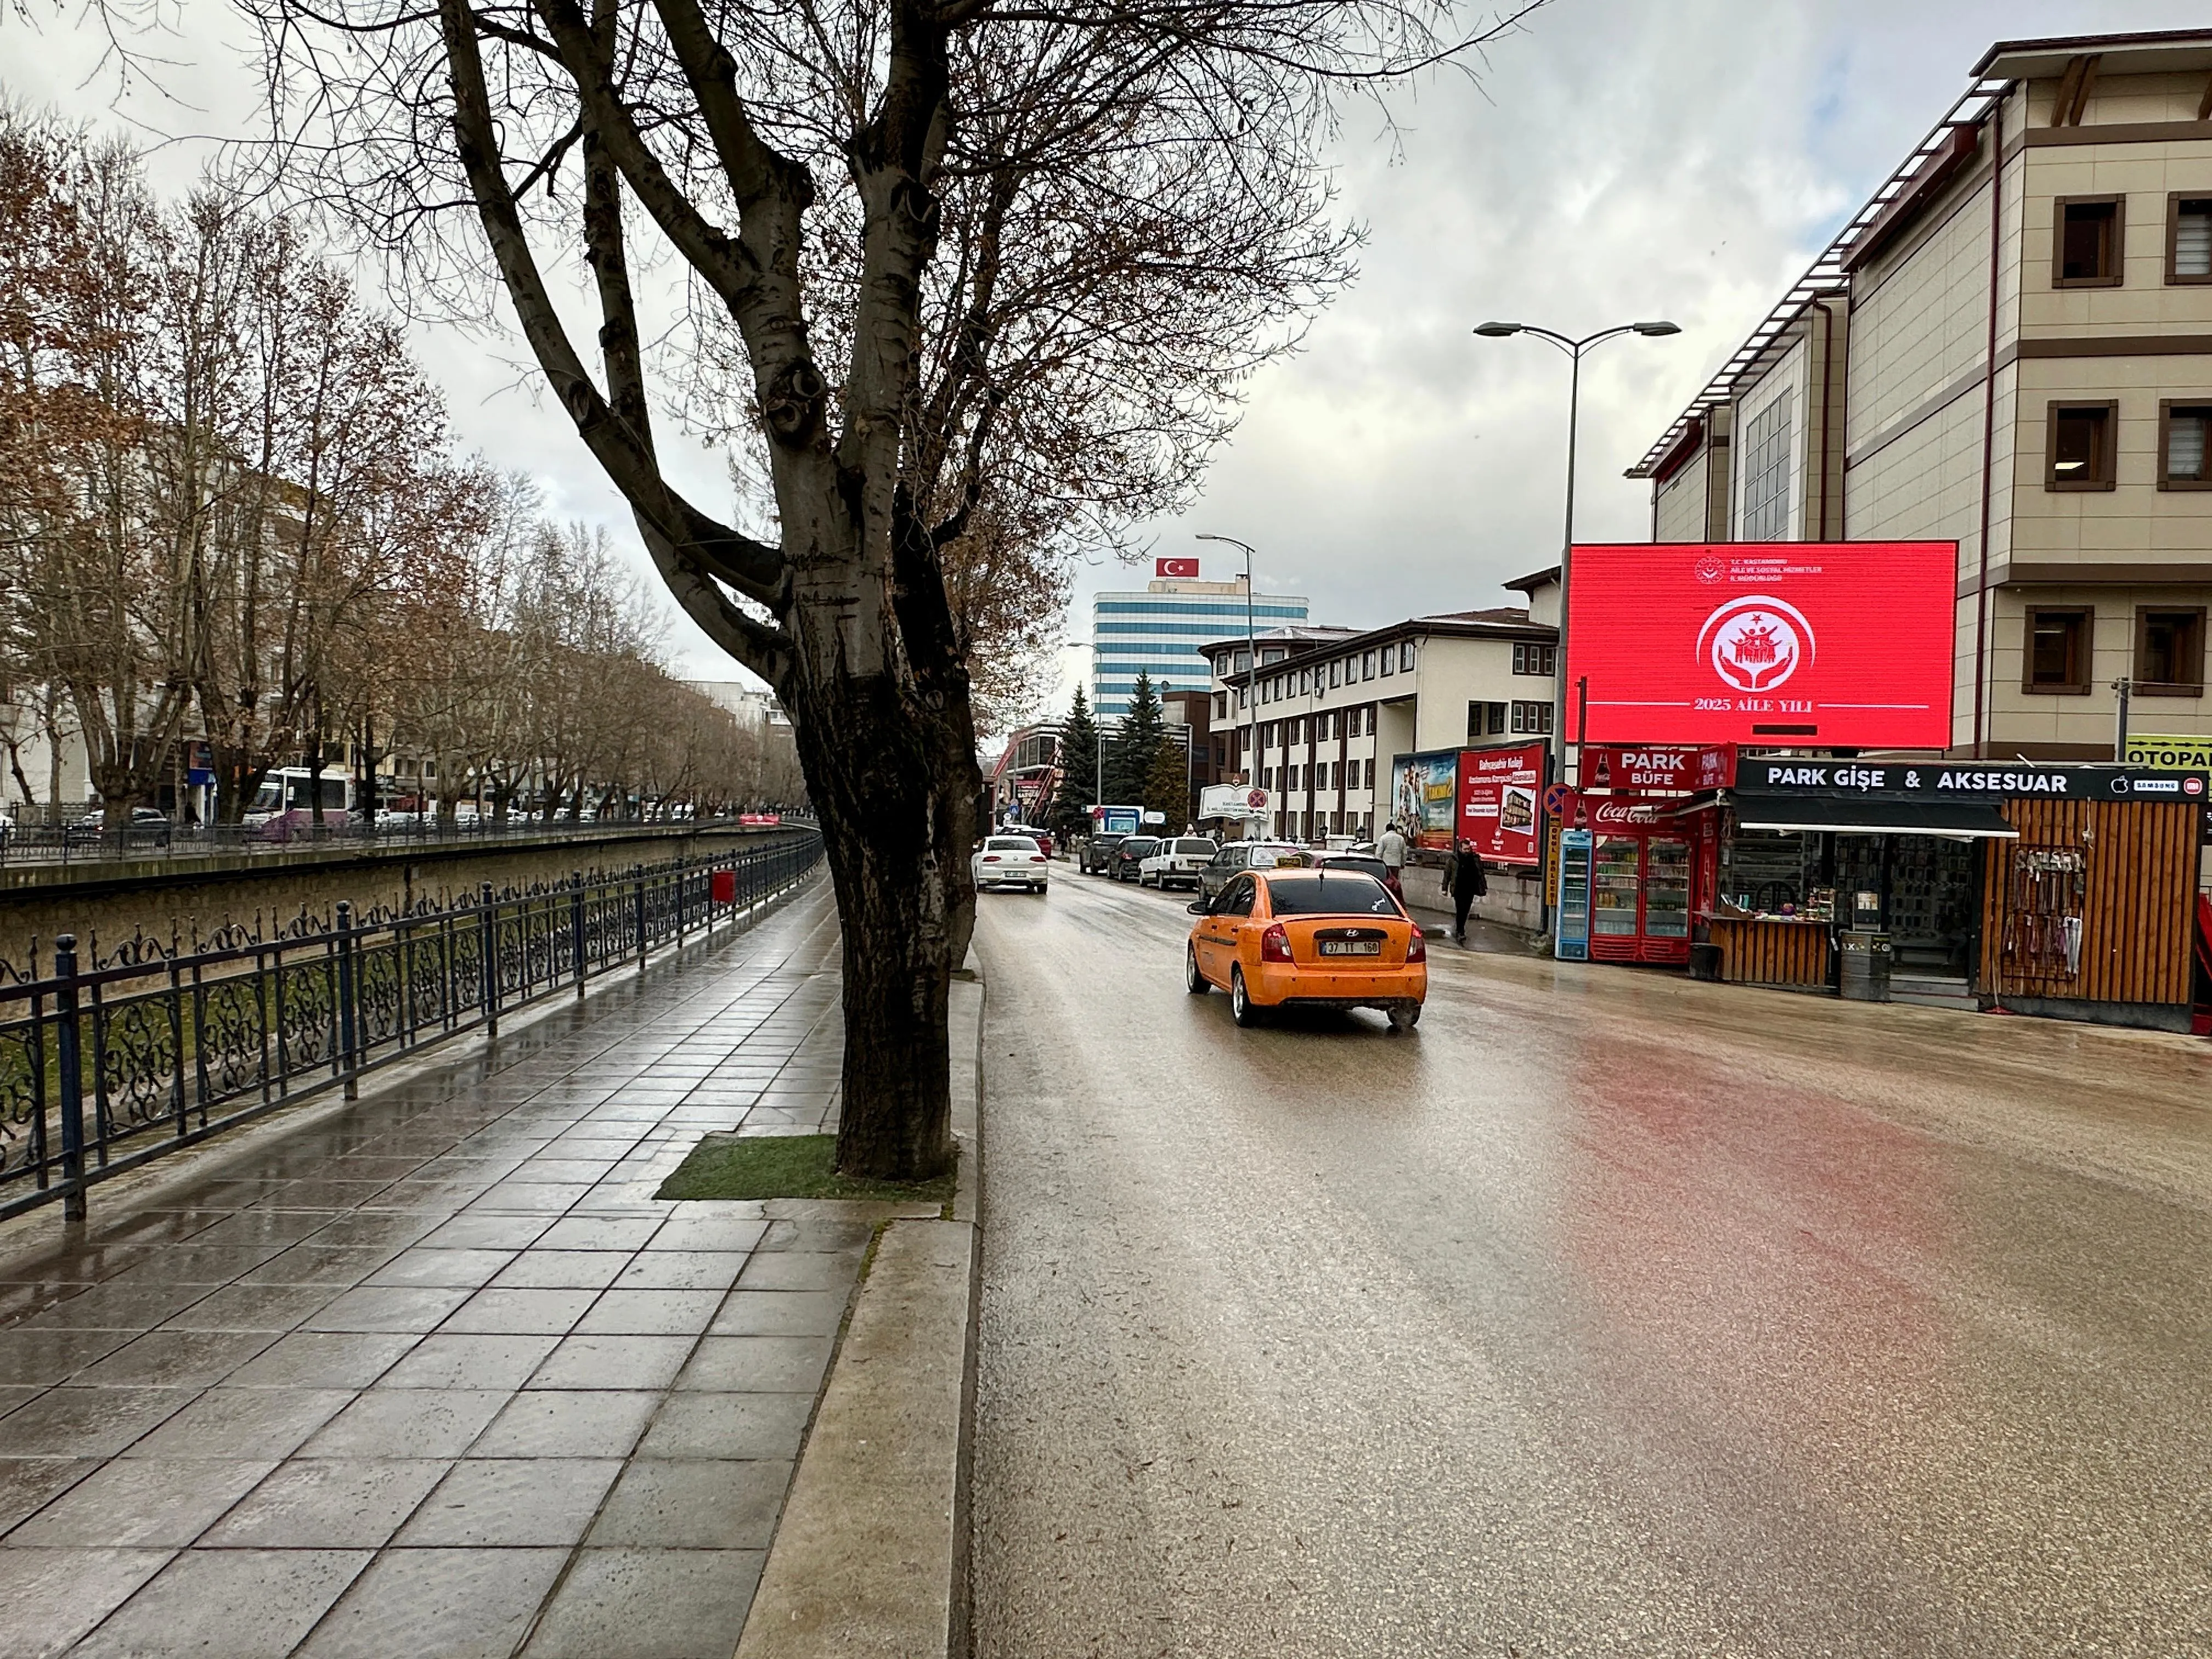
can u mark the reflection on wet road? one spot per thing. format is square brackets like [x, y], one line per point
[1608, 1314]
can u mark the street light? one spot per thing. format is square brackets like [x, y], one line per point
[1575, 350]
[1251, 675]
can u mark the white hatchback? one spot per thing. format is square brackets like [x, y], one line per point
[1178, 863]
[1010, 861]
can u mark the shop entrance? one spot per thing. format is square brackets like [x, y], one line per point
[1926, 888]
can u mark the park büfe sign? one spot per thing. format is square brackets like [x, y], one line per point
[1783, 644]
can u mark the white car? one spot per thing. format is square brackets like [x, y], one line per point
[1010, 861]
[1177, 861]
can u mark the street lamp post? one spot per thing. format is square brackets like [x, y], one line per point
[1251, 675]
[1575, 350]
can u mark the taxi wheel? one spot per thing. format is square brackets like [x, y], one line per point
[1194, 981]
[1241, 1006]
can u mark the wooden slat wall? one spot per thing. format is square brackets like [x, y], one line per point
[1771, 953]
[2140, 878]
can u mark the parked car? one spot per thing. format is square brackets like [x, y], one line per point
[1010, 861]
[1043, 839]
[1176, 862]
[1098, 853]
[1236, 856]
[1128, 858]
[149, 827]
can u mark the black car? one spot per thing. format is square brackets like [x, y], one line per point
[1133, 852]
[1098, 853]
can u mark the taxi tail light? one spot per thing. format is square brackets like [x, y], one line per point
[990, 858]
[1417, 948]
[1275, 944]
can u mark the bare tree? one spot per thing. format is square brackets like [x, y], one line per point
[952, 257]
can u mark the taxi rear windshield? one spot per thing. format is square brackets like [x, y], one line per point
[1330, 893]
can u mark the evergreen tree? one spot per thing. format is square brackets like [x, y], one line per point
[1136, 741]
[1167, 787]
[1070, 811]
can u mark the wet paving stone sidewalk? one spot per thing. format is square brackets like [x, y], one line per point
[436, 1375]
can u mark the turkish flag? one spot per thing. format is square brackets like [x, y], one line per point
[1174, 567]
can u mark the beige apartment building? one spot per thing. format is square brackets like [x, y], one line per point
[2009, 346]
[1334, 707]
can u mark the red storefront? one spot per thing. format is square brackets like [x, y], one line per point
[1652, 867]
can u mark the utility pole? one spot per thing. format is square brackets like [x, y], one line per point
[1575, 350]
[1251, 681]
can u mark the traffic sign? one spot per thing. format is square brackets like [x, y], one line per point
[1556, 798]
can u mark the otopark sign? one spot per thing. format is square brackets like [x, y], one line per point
[1782, 644]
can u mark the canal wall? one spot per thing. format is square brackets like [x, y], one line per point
[158, 896]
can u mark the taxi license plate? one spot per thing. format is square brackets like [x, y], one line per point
[1351, 947]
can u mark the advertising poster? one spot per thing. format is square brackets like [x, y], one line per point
[1783, 644]
[1499, 792]
[1424, 796]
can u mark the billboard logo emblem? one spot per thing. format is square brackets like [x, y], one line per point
[1755, 643]
[1710, 569]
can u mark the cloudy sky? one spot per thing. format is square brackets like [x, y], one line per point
[1621, 158]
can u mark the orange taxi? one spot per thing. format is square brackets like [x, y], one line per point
[1312, 938]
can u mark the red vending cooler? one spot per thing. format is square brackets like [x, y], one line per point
[1640, 893]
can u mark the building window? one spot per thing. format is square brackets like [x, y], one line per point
[1335, 673]
[1367, 665]
[1305, 682]
[1387, 668]
[1766, 473]
[2086, 241]
[2081, 446]
[1370, 775]
[2188, 238]
[2057, 650]
[1267, 777]
[1531, 719]
[1221, 705]
[1406, 656]
[2182, 428]
[2169, 652]
[1534, 658]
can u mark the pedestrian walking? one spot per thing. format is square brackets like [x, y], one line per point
[1466, 880]
[1391, 849]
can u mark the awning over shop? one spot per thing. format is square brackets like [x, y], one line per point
[1954, 820]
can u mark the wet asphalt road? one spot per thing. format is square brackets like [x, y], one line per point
[1607, 1314]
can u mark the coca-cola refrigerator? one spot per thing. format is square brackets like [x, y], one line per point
[1640, 893]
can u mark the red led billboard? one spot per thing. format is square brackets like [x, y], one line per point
[1796, 644]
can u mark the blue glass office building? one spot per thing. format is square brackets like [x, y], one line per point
[1160, 629]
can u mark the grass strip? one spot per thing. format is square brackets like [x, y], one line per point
[784, 1166]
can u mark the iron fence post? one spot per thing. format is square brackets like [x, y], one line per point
[349, 1029]
[487, 947]
[637, 875]
[66, 1036]
[576, 927]
[679, 900]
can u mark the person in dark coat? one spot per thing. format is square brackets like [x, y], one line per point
[1465, 880]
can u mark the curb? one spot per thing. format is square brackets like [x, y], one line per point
[870, 1558]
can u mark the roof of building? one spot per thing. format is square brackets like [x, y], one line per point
[1502, 621]
[1930, 164]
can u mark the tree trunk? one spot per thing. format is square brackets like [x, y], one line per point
[897, 846]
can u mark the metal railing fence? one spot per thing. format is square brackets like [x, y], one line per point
[109, 1060]
[31, 843]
